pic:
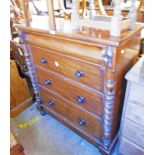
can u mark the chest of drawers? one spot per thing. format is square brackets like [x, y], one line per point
[78, 78]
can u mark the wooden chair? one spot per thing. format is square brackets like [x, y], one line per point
[115, 24]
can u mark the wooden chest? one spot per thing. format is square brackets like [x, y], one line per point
[132, 124]
[77, 77]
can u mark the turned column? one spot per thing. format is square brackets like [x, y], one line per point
[132, 14]
[35, 86]
[109, 94]
[75, 14]
[116, 19]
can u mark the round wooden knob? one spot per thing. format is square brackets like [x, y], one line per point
[47, 82]
[43, 60]
[82, 122]
[51, 103]
[80, 99]
[79, 74]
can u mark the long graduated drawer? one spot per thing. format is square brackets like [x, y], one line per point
[89, 74]
[78, 94]
[82, 119]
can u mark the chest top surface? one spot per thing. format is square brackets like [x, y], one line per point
[40, 24]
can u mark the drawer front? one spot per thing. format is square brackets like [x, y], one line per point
[139, 91]
[135, 113]
[81, 118]
[133, 132]
[82, 72]
[92, 101]
[128, 148]
[88, 52]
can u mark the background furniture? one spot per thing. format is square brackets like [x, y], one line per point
[132, 124]
[15, 147]
[21, 89]
[21, 96]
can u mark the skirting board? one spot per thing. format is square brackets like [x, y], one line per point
[17, 110]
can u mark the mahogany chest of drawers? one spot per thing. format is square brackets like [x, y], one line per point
[78, 77]
[131, 139]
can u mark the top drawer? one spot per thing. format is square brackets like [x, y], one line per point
[83, 72]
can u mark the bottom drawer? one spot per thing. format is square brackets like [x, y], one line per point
[81, 118]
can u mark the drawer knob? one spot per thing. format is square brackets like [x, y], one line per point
[79, 74]
[80, 99]
[82, 122]
[43, 60]
[51, 103]
[47, 82]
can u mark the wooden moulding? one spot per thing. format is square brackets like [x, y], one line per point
[17, 110]
[103, 23]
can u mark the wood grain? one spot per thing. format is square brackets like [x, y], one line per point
[72, 113]
[70, 48]
[71, 90]
[68, 66]
[103, 84]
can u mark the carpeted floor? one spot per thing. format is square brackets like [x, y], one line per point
[47, 136]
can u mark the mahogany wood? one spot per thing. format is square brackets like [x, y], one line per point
[67, 47]
[69, 67]
[71, 90]
[104, 59]
[72, 113]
